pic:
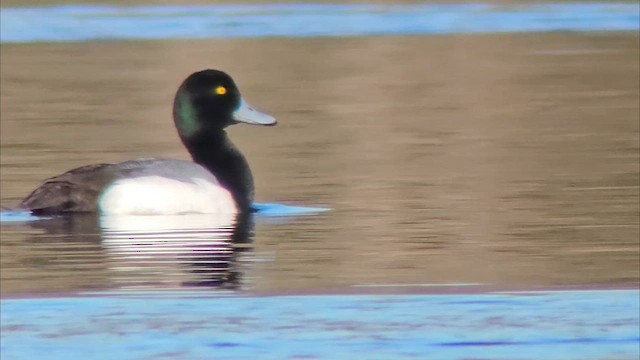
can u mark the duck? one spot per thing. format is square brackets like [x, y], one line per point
[217, 180]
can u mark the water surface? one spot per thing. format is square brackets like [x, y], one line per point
[506, 160]
[557, 325]
[92, 22]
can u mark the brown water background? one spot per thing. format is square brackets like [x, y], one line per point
[508, 160]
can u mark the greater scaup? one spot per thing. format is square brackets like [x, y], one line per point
[218, 179]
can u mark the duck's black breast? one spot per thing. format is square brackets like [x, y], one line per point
[79, 190]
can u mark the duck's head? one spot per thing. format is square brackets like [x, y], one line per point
[208, 101]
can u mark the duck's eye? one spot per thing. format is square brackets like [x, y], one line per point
[220, 90]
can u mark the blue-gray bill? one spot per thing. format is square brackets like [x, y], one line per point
[248, 115]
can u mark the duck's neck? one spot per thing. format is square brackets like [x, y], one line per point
[218, 154]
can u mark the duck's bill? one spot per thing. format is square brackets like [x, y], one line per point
[248, 115]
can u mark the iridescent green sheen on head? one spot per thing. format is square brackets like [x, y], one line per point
[207, 102]
[188, 123]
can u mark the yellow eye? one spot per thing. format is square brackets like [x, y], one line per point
[220, 90]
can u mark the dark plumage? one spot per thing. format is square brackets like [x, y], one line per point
[206, 103]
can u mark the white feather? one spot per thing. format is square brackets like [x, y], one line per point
[155, 195]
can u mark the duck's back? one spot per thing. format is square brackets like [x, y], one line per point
[145, 186]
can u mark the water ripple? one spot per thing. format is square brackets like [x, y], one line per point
[90, 23]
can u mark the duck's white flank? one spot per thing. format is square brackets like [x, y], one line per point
[155, 195]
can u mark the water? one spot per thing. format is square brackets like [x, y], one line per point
[459, 164]
[493, 326]
[494, 159]
[78, 23]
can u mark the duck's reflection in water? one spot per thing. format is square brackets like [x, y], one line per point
[176, 250]
[152, 252]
